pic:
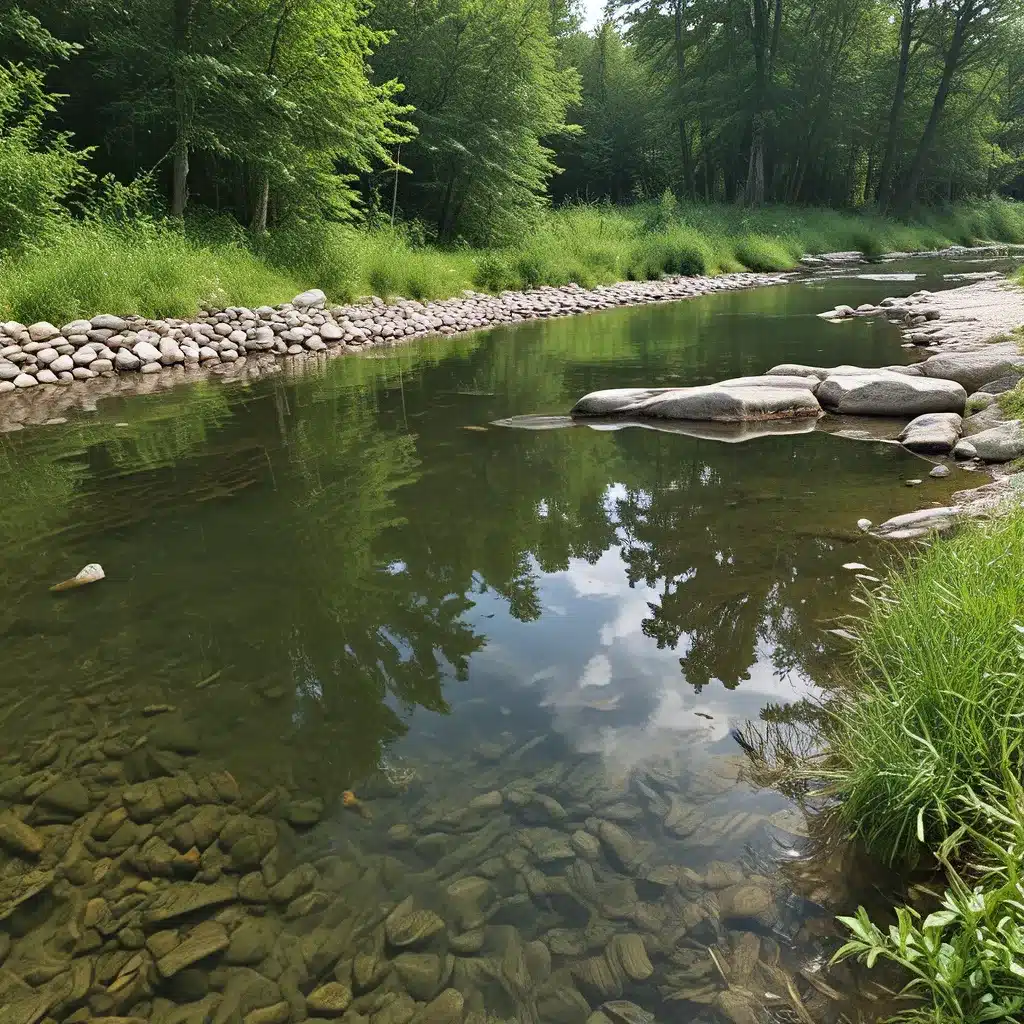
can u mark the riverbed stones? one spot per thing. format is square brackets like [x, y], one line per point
[186, 898]
[446, 1008]
[204, 940]
[714, 403]
[933, 433]
[630, 954]
[1001, 443]
[330, 1000]
[420, 973]
[67, 795]
[19, 838]
[620, 846]
[885, 393]
[406, 926]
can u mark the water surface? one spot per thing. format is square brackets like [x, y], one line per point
[355, 580]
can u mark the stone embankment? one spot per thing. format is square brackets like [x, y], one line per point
[949, 398]
[250, 342]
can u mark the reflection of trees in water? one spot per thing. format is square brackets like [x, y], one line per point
[322, 540]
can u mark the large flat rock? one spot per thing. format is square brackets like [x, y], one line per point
[974, 369]
[714, 403]
[799, 382]
[934, 433]
[912, 525]
[883, 393]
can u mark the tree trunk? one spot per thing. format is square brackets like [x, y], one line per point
[885, 174]
[684, 137]
[179, 175]
[965, 15]
[182, 110]
[764, 60]
[259, 214]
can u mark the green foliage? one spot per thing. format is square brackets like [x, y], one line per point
[489, 95]
[966, 959]
[1012, 402]
[37, 173]
[938, 711]
[120, 259]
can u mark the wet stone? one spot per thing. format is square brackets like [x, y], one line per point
[447, 1008]
[405, 926]
[68, 795]
[186, 898]
[304, 813]
[253, 889]
[19, 838]
[298, 881]
[330, 1000]
[251, 942]
[204, 940]
[420, 973]
[620, 846]
[278, 1013]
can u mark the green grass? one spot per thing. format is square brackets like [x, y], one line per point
[1012, 402]
[79, 268]
[938, 709]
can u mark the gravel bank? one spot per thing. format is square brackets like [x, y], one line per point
[46, 370]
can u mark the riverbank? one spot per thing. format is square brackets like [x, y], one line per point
[162, 269]
[47, 370]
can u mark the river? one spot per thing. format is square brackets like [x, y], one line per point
[525, 653]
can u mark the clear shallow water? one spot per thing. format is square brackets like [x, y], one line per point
[354, 580]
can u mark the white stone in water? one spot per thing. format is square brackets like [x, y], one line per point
[864, 524]
[92, 573]
[855, 566]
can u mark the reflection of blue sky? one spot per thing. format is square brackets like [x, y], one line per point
[585, 671]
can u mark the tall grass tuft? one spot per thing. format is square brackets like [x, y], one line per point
[938, 712]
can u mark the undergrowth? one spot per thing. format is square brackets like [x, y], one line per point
[80, 267]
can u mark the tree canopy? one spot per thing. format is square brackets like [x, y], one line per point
[468, 117]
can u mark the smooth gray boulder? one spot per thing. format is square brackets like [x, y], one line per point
[983, 420]
[713, 403]
[882, 393]
[771, 381]
[614, 400]
[974, 369]
[1000, 443]
[999, 386]
[934, 433]
[917, 524]
[312, 299]
[821, 372]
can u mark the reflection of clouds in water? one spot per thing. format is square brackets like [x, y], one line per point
[608, 688]
[597, 672]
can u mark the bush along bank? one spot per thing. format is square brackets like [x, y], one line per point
[109, 345]
[924, 753]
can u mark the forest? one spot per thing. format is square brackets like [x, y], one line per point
[265, 125]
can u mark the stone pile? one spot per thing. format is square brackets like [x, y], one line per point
[109, 345]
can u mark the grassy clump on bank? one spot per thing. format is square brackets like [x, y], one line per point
[924, 753]
[76, 268]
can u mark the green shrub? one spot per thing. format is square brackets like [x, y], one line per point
[763, 254]
[37, 174]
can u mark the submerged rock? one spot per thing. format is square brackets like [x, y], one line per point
[406, 926]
